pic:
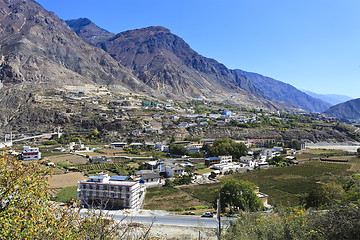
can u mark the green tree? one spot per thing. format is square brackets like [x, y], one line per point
[239, 195]
[177, 149]
[325, 195]
[358, 152]
[226, 146]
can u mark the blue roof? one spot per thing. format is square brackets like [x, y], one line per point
[97, 177]
[118, 178]
[211, 158]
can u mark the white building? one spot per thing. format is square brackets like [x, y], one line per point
[118, 145]
[114, 192]
[30, 153]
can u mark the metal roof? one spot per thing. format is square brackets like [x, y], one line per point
[118, 178]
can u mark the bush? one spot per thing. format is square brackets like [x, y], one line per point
[50, 142]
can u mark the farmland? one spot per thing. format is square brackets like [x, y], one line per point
[286, 186]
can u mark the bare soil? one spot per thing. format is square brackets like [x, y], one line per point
[66, 180]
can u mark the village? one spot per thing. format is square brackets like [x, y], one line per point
[120, 173]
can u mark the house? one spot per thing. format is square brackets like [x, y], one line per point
[162, 147]
[194, 147]
[211, 161]
[225, 159]
[118, 145]
[171, 170]
[249, 160]
[150, 179]
[187, 164]
[116, 192]
[209, 141]
[30, 153]
[263, 197]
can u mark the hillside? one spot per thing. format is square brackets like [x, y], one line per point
[349, 110]
[285, 93]
[167, 64]
[330, 98]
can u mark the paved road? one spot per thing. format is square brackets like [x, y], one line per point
[175, 220]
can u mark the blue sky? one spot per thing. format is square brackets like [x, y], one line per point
[310, 44]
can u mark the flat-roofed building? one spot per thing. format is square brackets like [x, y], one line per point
[225, 159]
[211, 161]
[30, 153]
[118, 145]
[115, 192]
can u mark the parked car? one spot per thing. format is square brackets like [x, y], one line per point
[207, 214]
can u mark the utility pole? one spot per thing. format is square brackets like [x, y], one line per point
[218, 216]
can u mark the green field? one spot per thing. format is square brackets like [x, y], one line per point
[286, 186]
[66, 194]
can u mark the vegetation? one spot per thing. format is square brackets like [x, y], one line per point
[67, 195]
[26, 211]
[341, 222]
[177, 149]
[226, 146]
[239, 195]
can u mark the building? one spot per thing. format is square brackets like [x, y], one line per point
[115, 192]
[150, 179]
[118, 145]
[174, 169]
[209, 141]
[211, 161]
[225, 159]
[30, 153]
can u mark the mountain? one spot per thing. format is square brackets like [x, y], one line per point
[39, 48]
[167, 64]
[38, 52]
[285, 93]
[349, 110]
[330, 98]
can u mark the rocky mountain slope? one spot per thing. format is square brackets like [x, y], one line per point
[349, 110]
[38, 48]
[168, 65]
[285, 93]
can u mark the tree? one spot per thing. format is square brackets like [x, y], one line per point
[177, 149]
[358, 152]
[26, 211]
[226, 146]
[239, 195]
[325, 195]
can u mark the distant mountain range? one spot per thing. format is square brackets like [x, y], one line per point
[285, 93]
[349, 110]
[333, 99]
[39, 51]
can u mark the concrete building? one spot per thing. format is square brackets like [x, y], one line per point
[114, 192]
[30, 153]
[118, 145]
[211, 161]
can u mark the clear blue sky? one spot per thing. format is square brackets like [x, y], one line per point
[311, 44]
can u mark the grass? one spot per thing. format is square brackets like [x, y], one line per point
[168, 198]
[286, 186]
[66, 194]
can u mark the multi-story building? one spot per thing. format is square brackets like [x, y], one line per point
[30, 153]
[111, 192]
